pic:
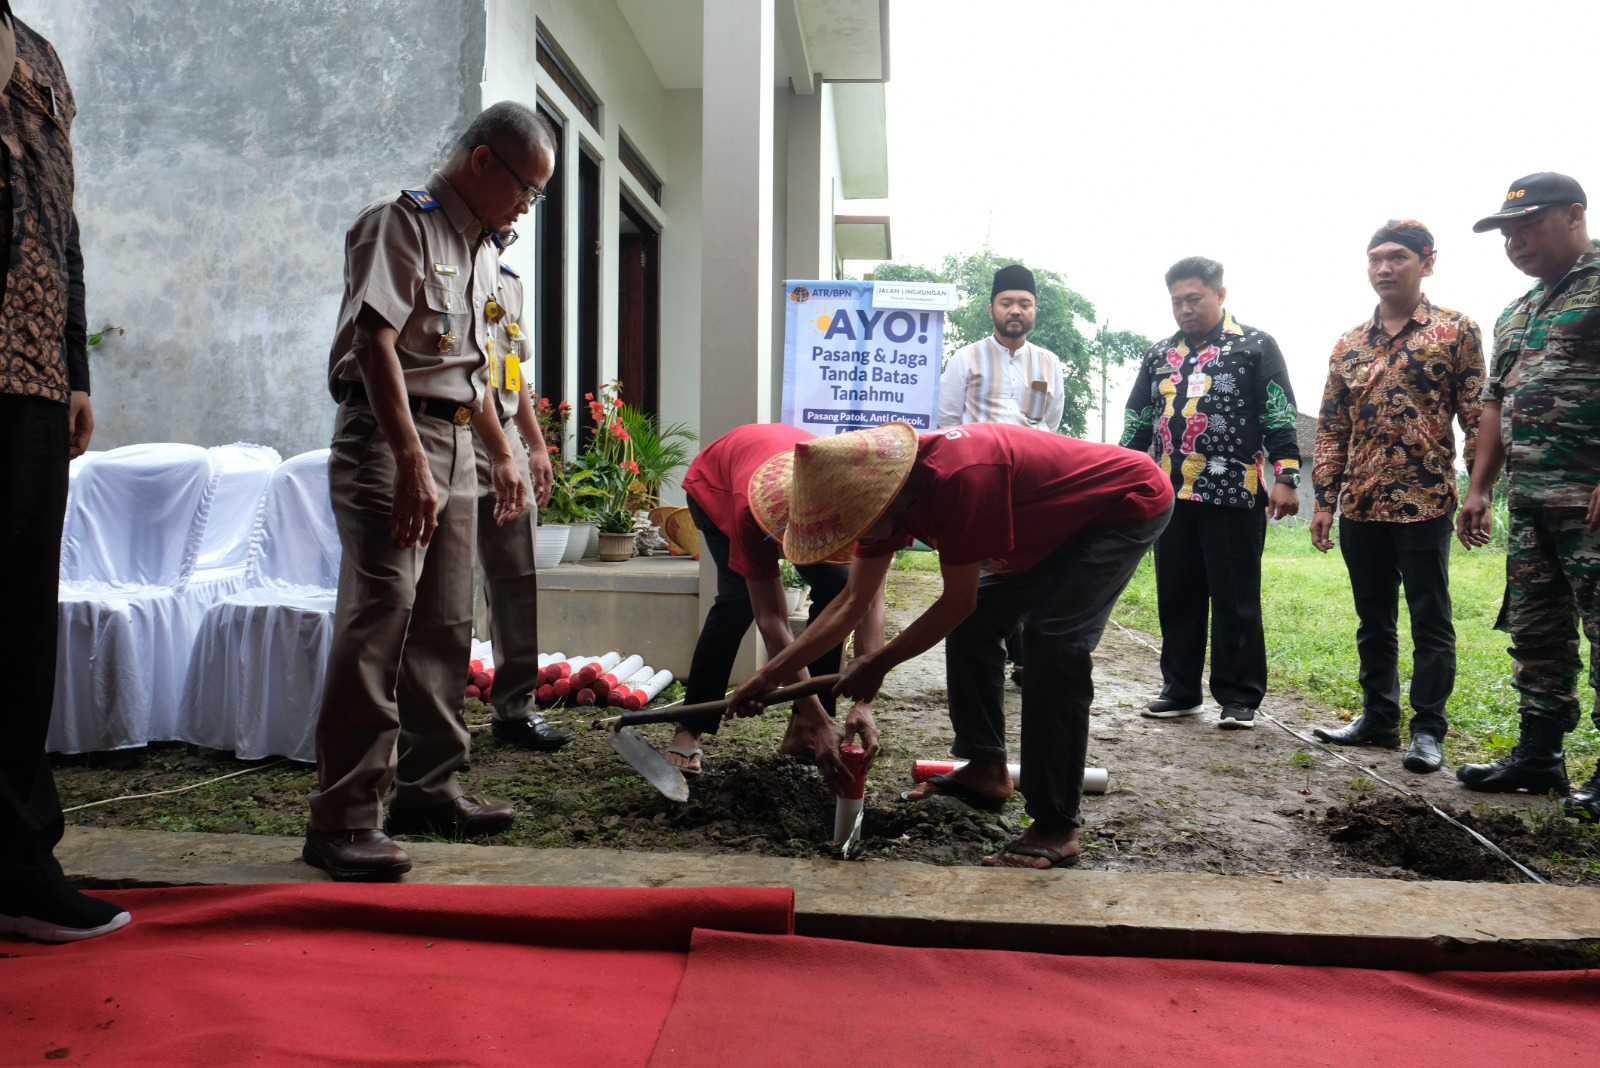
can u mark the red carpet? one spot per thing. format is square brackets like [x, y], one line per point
[776, 1002]
[340, 974]
[329, 974]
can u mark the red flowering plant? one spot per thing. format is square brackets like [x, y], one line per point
[609, 456]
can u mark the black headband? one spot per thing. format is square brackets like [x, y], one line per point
[1415, 238]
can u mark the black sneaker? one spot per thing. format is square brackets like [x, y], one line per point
[530, 732]
[1237, 718]
[1165, 708]
[58, 913]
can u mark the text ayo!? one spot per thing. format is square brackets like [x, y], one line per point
[896, 325]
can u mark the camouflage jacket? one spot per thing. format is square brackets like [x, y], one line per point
[1211, 412]
[1546, 377]
[1385, 450]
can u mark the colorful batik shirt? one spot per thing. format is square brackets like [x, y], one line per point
[1546, 377]
[1385, 448]
[1213, 412]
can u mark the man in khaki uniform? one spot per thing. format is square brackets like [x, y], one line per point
[510, 581]
[409, 367]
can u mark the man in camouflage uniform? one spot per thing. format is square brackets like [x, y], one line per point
[1544, 393]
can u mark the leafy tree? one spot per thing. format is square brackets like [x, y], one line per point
[1113, 348]
[1060, 311]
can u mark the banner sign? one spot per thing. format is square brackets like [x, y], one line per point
[932, 296]
[848, 363]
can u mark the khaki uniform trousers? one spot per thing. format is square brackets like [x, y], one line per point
[402, 630]
[511, 587]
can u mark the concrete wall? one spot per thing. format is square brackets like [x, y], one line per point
[222, 149]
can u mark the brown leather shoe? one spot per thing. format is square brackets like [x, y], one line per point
[356, 856]
[464, 818]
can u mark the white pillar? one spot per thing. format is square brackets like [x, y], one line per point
[736, 285]
[737, 291]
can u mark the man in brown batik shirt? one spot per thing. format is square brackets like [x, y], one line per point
[1385, 461]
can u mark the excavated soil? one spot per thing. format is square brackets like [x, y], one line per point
[1184, 796]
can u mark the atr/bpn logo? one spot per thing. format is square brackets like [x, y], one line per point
[800, 294]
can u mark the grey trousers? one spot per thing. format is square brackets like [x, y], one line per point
[402, 630]
[510, 585]
[1067, 599]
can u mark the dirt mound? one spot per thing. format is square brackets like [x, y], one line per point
[780, 803]
[1405, 833]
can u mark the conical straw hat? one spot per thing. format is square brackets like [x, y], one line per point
[826, 492]
[681, 533]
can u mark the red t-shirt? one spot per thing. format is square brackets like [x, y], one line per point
[718, 479]
[1008, 496]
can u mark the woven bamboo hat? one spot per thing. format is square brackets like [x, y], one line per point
[681, 533]
[826, 492]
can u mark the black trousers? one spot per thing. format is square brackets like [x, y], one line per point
[1208, 563]
[33, 502]
[1065, 602]
[1381, 557]
[731, 616]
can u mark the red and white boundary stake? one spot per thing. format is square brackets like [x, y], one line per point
[639, 697]
[1095, 780]
[618, 674]
[625, 686]
[847, 808]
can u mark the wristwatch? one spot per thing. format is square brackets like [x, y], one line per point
[1289, 477]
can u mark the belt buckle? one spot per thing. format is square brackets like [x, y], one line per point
[462, 417]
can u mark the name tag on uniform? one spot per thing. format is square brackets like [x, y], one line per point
[513, 373]
[1197, 383]
[446, 268]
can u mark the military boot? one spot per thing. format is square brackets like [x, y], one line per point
[1585, 800]
[1536, 765]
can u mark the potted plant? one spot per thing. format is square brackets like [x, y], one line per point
[658, 453]
[616, 534]
[576, 495]
[794, 587]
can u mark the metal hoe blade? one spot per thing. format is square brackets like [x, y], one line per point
[651, 765]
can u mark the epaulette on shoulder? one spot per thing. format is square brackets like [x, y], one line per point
[506, 267]
[420, 199]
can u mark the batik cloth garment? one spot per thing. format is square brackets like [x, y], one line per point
[1546, 377]
[1213, 412]
[43, 329]
[1385, 448]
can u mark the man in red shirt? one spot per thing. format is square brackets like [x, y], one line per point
[728, 485]
[1027, 525]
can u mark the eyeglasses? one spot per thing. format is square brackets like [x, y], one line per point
[531, 194]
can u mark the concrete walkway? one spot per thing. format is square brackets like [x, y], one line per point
[1352, 922]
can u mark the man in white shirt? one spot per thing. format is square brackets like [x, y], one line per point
[1004, 378]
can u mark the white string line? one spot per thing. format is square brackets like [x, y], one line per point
[178, 789]
[1372, 773]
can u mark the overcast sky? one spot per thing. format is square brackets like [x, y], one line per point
[1108, 140]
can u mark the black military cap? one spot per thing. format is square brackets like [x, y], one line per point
[1530, 193]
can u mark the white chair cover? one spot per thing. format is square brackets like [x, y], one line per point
[256, 680]
[241, 472]
[125, 634]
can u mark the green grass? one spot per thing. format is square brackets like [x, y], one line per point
[1310, 625]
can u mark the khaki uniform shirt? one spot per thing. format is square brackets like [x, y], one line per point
[424, 264]
[510, 341]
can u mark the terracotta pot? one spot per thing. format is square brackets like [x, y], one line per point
[615, 546]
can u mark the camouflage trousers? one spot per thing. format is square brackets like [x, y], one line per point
[1552, 583]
